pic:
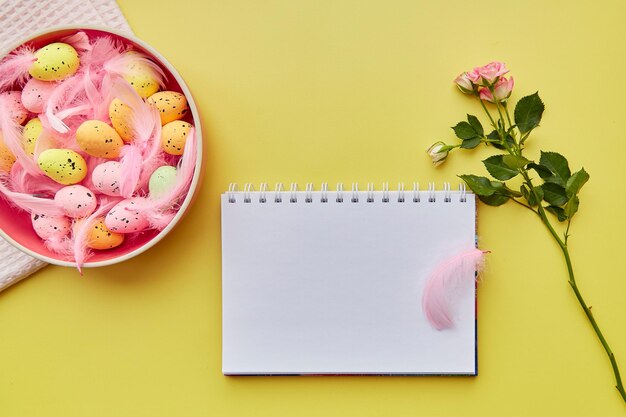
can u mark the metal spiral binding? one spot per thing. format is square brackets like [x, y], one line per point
[247, 189]
[416, 192]
[232, 189]
[339, 192]
[308, 197]
[324, 198]
[385, 192]
[263, 193]
[278, 198]
[370, 192]
[293, 198]
[402, 195]
[431, 192]
[400, 192]
[355, 192]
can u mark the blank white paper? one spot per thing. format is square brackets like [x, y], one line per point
[336, 287]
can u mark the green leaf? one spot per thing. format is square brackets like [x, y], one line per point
[554, 194]
[557, 164]
[514, 161]
[558, 212]
[575, 182]
[541, 170]
[470, 143]
[532, 201]
[476, 125]
[494, 200]
[481, 186]
[498, 169]
[493, 135]
[571, 207]
[464, 131]
[528, 112]
[510, 142]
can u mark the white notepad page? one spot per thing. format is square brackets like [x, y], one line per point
[313, 287]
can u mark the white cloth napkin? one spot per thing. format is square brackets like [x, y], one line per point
[18, 20]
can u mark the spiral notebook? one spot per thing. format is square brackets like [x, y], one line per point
[331, 282]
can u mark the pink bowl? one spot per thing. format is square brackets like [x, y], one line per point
[15, 225]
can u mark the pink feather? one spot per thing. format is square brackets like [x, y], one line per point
[23, 182]
[12, 137]
[145, 121]
[81, 232]
[30, 203]
[159, 210]
[64, 93]
[78, 41]
[119, 65]
[130, 169]
[14, 68]
[444, 281]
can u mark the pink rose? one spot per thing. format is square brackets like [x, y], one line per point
[485, 94]
[464, 84]
[501, 91]
[490, 72]
[473, 76]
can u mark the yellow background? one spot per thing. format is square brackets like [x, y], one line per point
[350, 91]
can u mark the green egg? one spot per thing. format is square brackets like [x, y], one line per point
[55, 61]
[161, 181]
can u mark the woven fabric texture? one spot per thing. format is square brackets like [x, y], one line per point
[18, 20]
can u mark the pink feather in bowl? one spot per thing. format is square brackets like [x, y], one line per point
[25, 190]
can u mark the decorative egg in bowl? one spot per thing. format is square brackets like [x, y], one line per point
[100, 146]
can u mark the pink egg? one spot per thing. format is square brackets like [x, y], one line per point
[76, 201]
[48, 227]
[14, 106]
[126, 218]
[106, 178]
[35, 94]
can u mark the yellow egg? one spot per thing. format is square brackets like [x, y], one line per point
[63, 165]
[142, 77]
[99, 139]
[55, 61]
[101, 238]
[121, 118]
[7, 159]
[174, 135]
[31, 133]
[171, 105]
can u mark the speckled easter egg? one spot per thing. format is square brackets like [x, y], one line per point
[171, 105]
[48, 227]
[126, 218]
[140, 76]
[55, 61]
[161, 181]
[35, 94]
[31, 133]
[101, 238]
[174, 135]
[121, 116]
[14, 107]
[63, 165]
[106, 178]
[99, 139]
[76, 201]
[7, 159]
